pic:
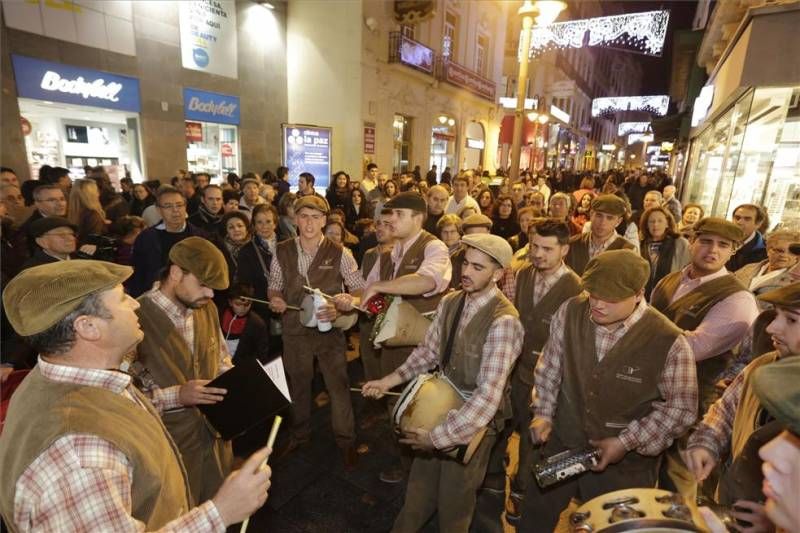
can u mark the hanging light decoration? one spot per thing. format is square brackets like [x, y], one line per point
[625, 128]
[607, 106]
[642, 32]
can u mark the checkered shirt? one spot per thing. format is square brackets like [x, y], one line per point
[541, 284]
[348, 268]
[714, 432]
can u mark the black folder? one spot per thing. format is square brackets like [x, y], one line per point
[252, 397]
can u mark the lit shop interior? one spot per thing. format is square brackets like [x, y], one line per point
[750, 154]
[75, 137]
[443, 143]
[212, 148]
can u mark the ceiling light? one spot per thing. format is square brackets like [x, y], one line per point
[442, 119]
[452, 122]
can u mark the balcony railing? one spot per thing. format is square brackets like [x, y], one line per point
[411, 53]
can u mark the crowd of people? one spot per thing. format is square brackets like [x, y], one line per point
[575, 309]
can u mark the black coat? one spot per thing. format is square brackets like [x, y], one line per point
[149, 256]
[754, 251]
[251, 272]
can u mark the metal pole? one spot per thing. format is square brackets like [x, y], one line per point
[522, 85]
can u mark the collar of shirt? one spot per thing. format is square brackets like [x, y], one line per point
[400, 249]
[161, 225]
[605, 244]
[562, 269]
[55, 256]
[750, 238]
[626, 324]
[176, 313]
[111, 380]
[475, 301]
[302, 251]
[696, 282]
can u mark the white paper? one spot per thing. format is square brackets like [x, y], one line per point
[277, 374]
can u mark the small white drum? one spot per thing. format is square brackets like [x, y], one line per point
[425, 403]
[308, 316]
[636, 510]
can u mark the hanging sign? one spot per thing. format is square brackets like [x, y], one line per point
[369, 138]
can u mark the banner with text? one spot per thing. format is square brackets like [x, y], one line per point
[210, 107]
[307, 149]
[208, 36]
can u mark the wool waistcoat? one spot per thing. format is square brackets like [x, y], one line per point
[409, 264]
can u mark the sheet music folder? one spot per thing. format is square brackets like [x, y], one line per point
[255, 393]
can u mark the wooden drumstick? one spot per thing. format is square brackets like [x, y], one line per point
[388, 393]
[292, 307]
[329, 297]
[270, 441]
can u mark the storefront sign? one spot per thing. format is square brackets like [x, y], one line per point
[702, 104]
[226, 150]
[369, 137]
[194, 132]
[466, 79]
[210, 107]
[561, 115]
[307, 149]
[609, 147]
[475, 143]
[509, 102]
[44, 80]
[208, 36]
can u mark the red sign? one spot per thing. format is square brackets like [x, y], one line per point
[369, 137]
[226, 149]
[471, 81]
[194, 132]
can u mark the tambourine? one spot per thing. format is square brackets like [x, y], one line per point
[308, 315]
[425, 403]
[636, 510]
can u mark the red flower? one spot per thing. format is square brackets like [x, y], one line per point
[377, 304]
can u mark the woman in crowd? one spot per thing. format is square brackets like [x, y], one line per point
[357, 209]
[691, 214]
[449, 231]
[334, 231]
[525, 218]
[581, 214]
[230, 200]
[237, 235]
[776, 270]
[536, 200]
[286, 226]
[390, 189]
[504, 220]
[587, 186]
[142, 197]
[486, 201]
[338, 194]
[125, 230]
[661, 245]
[84, 210]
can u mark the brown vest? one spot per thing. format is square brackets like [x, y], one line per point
[164, 353]
[536, 318]
[467, 353]
[371, 257]
[688, 311]
[42, 411]
[324, 274]
[599, 399]
[409, 264]
[578, 255]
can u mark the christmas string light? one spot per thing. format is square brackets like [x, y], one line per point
[607, 106]
[645, 32]
[625, 128]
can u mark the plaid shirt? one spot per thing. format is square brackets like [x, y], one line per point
[541, 284]
[714, 432]
[83, 483]
[348, 268]
[678, 384]
[503, 345]
[183, 320]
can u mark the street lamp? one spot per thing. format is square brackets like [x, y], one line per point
[545, 12]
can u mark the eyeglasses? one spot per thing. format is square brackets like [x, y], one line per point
[172, 206]
[62, 234]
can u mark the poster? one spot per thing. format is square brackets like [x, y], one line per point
[307, 149]
[369, 138]
[208, 36]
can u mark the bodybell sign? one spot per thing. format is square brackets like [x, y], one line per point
[43, 80]
[210, 107]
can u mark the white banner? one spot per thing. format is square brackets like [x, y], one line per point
[208, 36]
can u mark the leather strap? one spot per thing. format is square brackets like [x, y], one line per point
[448, 348]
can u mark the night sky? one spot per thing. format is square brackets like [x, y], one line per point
[657, 69]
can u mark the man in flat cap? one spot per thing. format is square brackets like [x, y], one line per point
[608, 339]
[82, 448]
[313, 260]
[183, 349]
[420, 272]
[714, 310]
[607, 212]
[538, 289]
[56, 240]
[737, 425]
[472, 225]
[474, 340]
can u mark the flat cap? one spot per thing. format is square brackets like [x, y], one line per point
[40, 296]
[609, 203]
[777, 386]
[615, 275]
[247, 181]
[407, 200]
[42, 225]
[312, 201]
[476, 221]
[720, 227]
[495, 247]
[788, 296]
[203, 259]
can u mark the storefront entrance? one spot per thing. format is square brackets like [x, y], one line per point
[212, 137]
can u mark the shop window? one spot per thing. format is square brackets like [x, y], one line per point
[212, 148]
[443, 142]
[402, 143]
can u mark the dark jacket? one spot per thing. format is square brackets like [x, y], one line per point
[253, 273]
[203, 219]
[253, 341]
[150, 256]
[754, 251]
[39, 257]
